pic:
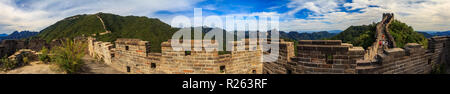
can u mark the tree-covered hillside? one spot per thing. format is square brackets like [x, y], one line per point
[365, 35]
[148, 29]
[72, 27]
[404, 34]
[306, 36]
[358, 35]
[19, 35]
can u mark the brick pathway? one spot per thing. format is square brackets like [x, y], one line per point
[94, 67]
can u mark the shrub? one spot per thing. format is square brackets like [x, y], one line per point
[68, 56]
[7, 64]
[25, 60]
[404, 34]
[439, 69]
[44, 57]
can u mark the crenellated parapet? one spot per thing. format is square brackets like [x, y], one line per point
[313, 57]
[439, 47]
[283, 63]
[327, 57]
[133, 56]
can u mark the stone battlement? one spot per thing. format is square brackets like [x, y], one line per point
[133, 56]
[327, 56]
[127, 41]
[346, 59]
[313, 57]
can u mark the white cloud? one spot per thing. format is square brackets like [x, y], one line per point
[38, 14]
[317, 6]
[420, 14]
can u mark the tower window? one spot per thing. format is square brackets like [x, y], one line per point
[329, 59]
[429, 61]
[153, 65]
[128, 69]
[187, 53]
[288, 71]
[222, 69]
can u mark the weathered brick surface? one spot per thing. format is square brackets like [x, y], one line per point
[283, 63]
[313, 57]
[439, 47]
[9, 47]
[132, 56]
[327, 57]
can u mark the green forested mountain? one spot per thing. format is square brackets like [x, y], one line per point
[148, 29]
[365, 35]
[306, 36]
[358, 35]
[72, 27]
[404, 34]
[425, 34]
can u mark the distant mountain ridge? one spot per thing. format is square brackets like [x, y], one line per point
[329, 31]
[20, 35]
[425, 34]
[430, 34]
[3, 35]
[307, 36]
[444, 33]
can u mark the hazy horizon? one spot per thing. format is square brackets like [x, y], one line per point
[295, 15]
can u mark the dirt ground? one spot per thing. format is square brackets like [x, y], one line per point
[94, 67]
[34, 68]
[91, 67]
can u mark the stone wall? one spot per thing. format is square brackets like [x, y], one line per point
[22, 53]
[389, 19]
[203, 62]
[283, 65]
[413, 59]
[9, 47]
[100, 50]
[133, 56]
[314, 57]
[327, 57]
[439, 47]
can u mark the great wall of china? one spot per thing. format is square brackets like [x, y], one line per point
[103, 24]
[133, 56]
[314, 57]
[333, 56]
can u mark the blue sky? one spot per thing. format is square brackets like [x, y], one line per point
[295, 15]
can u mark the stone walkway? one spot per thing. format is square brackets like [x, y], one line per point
[448, 69]
[381, 36]
[94, 67]
[91, 67]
